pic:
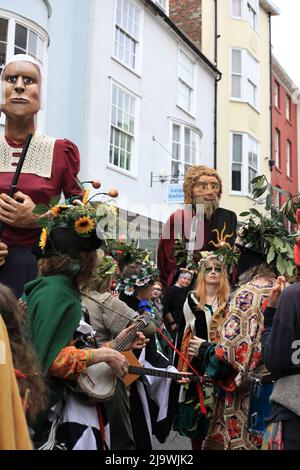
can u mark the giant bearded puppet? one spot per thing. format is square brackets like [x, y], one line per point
[206, 229]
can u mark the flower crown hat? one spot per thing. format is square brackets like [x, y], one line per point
[68, 229]
[107, 267]
[146, 272]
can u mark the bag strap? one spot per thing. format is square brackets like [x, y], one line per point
[106, 306]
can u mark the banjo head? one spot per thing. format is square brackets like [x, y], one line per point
[98, 381]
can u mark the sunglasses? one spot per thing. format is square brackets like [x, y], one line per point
[215, 269]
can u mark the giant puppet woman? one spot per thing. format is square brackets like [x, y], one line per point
[50, 168]
[202, 223]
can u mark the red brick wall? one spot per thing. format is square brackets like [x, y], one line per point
[187, 14]
[288, 131]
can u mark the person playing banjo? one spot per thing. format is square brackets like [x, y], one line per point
[67, 258]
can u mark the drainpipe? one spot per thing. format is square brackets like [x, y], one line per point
[271, 161]
[216, 87]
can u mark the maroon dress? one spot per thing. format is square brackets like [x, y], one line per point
[20, 265]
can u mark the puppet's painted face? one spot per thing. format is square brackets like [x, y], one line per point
[22, 86]
[207, 187]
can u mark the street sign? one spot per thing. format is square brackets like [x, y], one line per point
[175, 193]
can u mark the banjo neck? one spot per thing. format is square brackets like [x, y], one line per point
[164, 373]
[141, 323]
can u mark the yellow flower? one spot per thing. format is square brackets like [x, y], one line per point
[86, 196]
[84, 225]
[43, 239]
[56, 210]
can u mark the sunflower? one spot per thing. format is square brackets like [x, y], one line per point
[84, 225]
[57, 210]
[43, 239]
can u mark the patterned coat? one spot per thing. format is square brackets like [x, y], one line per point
[236, 329]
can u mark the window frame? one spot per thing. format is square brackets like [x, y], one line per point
[288, 108]
[133, 160]
[245, 78]
[14, 19]
[164, 8]
[277, 149]
[289, 159]
[246, 139]
[276, 94]
[182, 162]
[245, 16]
[181, 81]
[242, 10]
[138, 41]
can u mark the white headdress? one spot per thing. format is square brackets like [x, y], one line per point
[26, 58]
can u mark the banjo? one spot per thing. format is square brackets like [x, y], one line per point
[98, 381]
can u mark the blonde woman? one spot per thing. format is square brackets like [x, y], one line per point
[211, 291]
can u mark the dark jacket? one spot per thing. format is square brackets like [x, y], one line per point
[179, 223]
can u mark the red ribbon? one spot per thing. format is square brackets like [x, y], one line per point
[200, 393]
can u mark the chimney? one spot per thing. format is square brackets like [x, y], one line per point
[187, 15]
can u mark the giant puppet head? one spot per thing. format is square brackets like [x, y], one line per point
[203, 185]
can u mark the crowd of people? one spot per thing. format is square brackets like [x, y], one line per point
[102, 349]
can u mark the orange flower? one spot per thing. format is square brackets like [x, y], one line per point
[43, 239]
[84, 225]
[56, 210]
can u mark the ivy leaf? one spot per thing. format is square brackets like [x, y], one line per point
[244, 214]
[271, 255]
[54, 201]
[259, 192]
[278, 243]
[258, 181]
[280, 264]
[40, 209]
[269, 202]
[256, 213]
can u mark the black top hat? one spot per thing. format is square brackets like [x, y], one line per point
[65, 241]
[249, 258]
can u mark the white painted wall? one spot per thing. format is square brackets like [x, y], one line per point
[156, 88]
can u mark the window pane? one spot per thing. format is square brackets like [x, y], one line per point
[237, 8]
[251, 175]
[236, 86]
[175, 170]
[184, 96]
[2, 53]
[236, 177]
[237, 148]
[288, 158]
[122, 139]
[236, 61]
[288, 108]
[251, 93]
[276, 94]
[252, 69]
[21, 37]
[32, 43]
[3, 29]
[186, 69]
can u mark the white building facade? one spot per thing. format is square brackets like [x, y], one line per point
[150, 104]
[126, 85]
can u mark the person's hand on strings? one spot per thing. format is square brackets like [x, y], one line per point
[138, 342]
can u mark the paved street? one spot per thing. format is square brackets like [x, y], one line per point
[174, 442]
